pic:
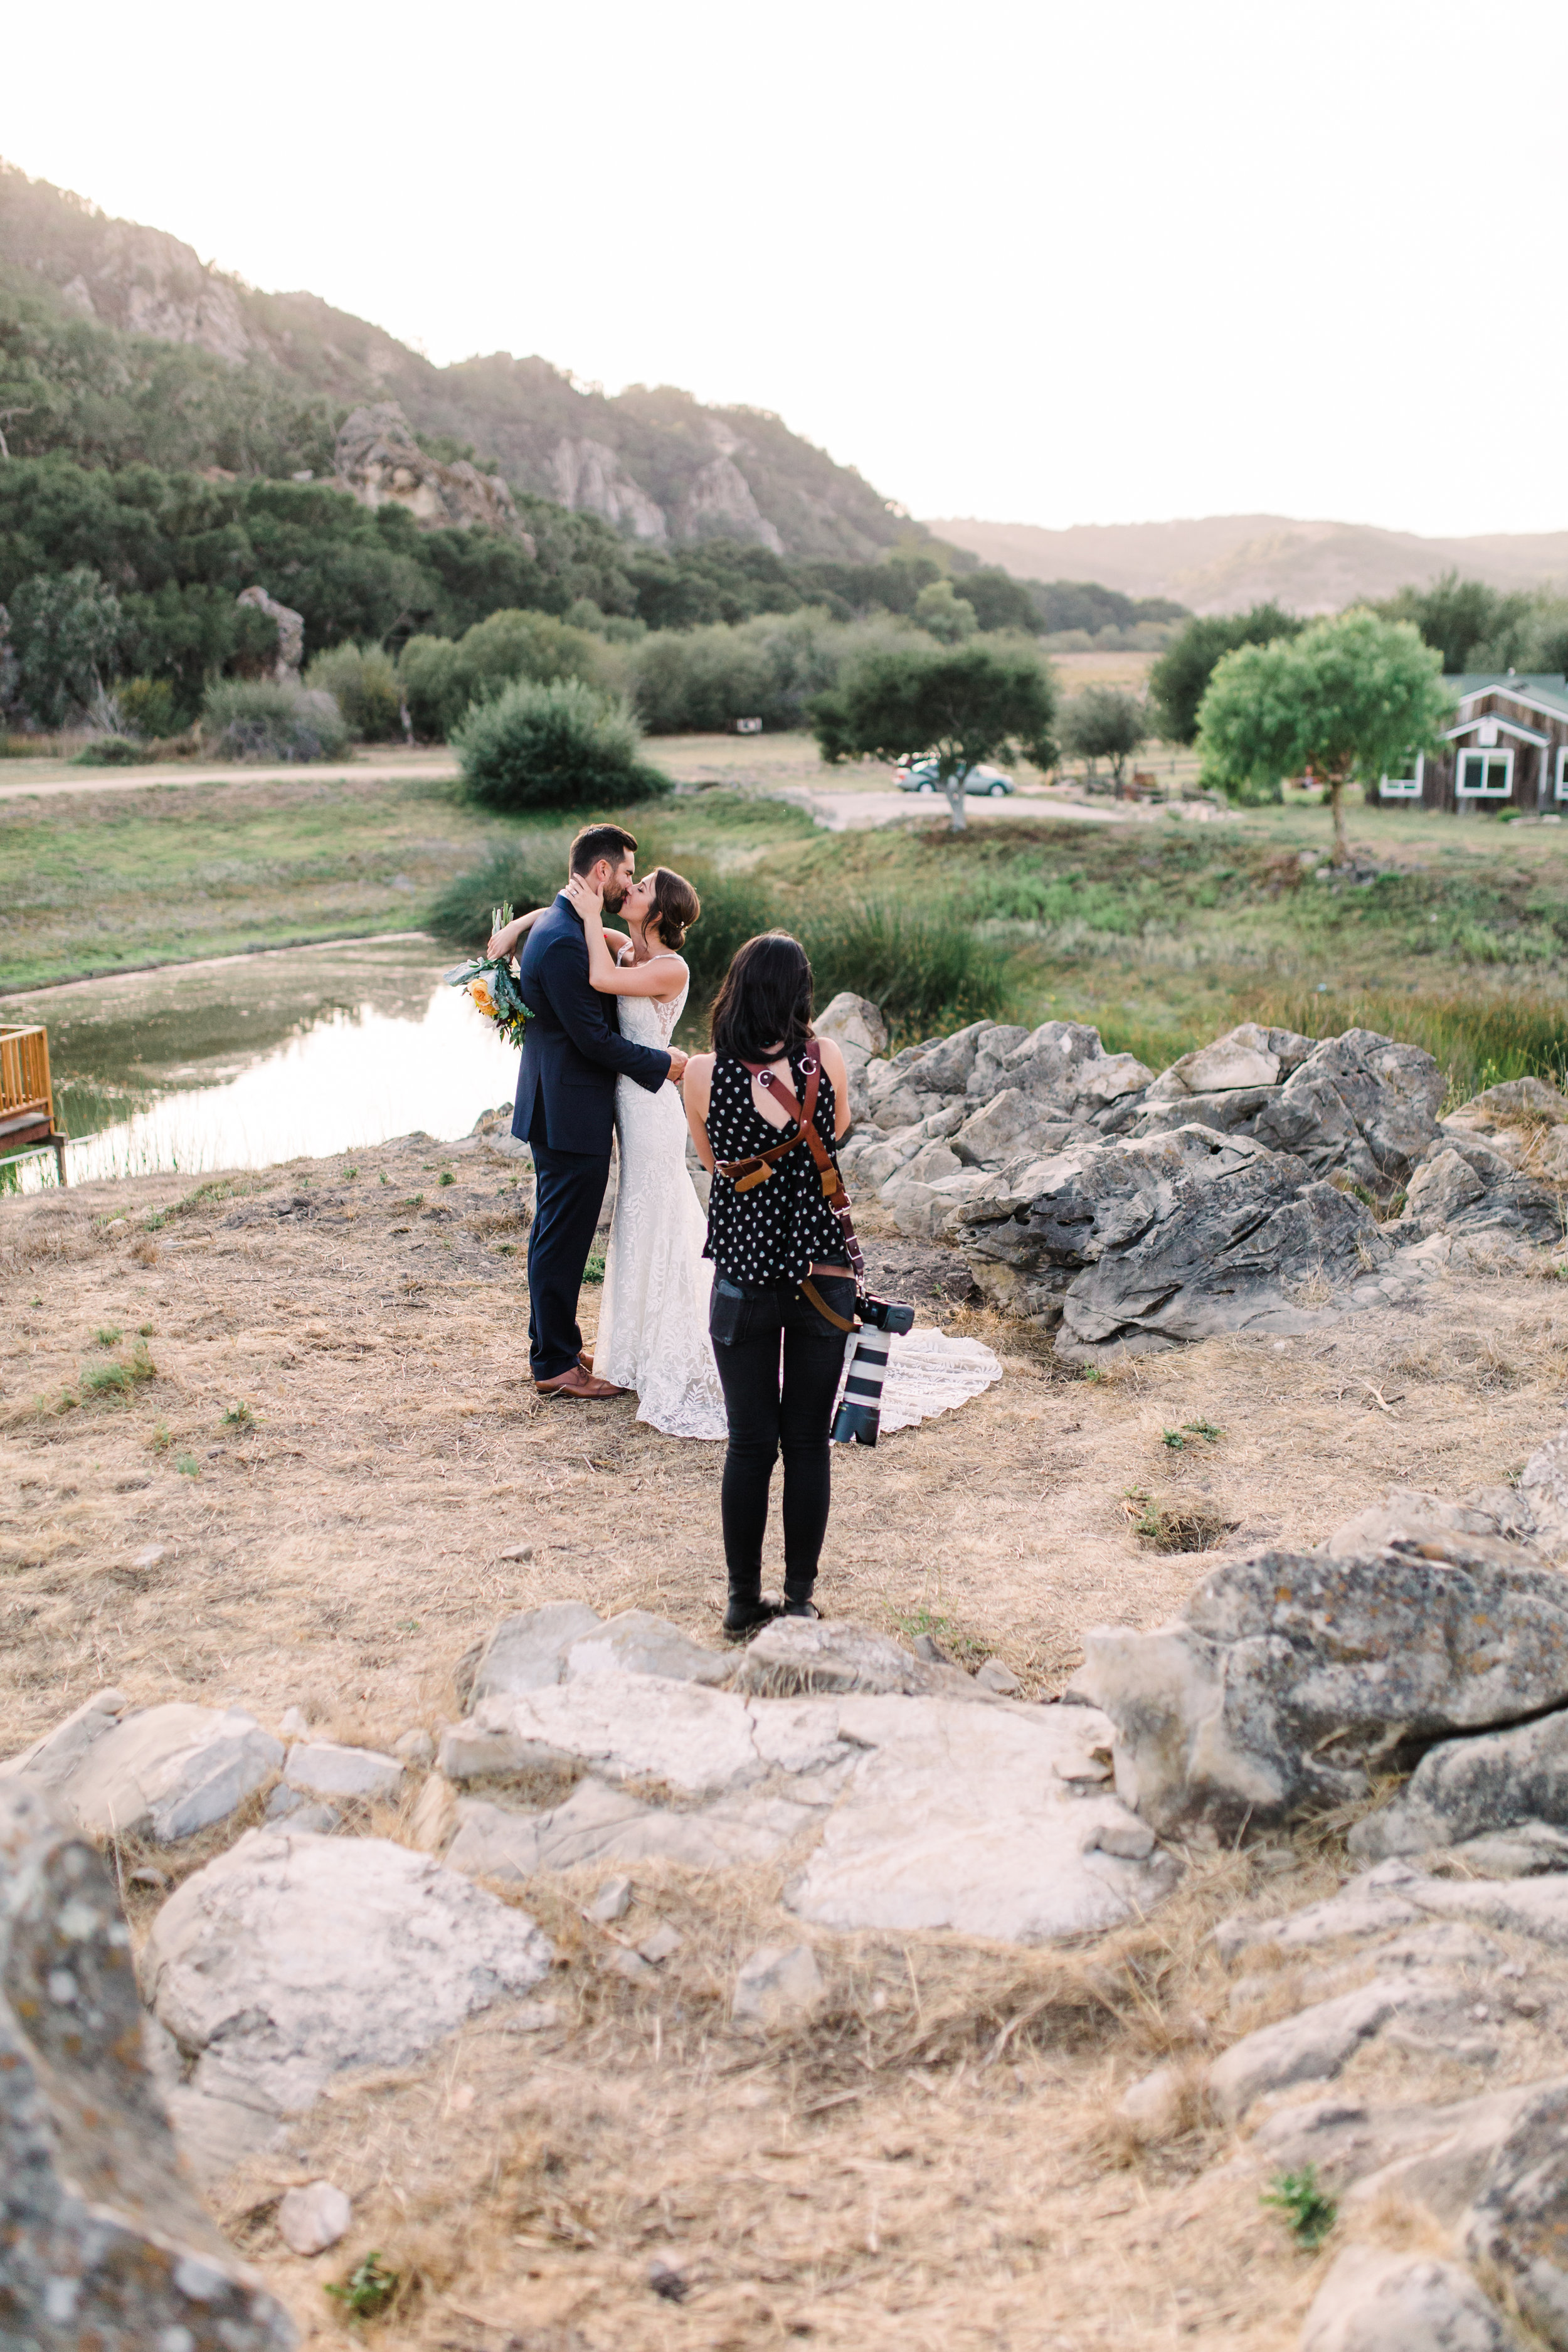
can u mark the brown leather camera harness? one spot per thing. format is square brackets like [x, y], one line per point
[747, 1174]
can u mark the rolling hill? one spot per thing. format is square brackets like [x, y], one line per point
[1223, 563]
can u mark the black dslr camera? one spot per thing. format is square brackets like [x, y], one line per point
[860, 1415]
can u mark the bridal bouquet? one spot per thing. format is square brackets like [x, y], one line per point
[490, 986]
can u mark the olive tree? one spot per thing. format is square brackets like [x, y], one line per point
[957, 705]
[64, 631]
[1350, 696]
[1103, 723]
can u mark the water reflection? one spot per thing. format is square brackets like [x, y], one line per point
[252, 1059]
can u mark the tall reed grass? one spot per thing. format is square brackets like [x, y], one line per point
[1478, 1041]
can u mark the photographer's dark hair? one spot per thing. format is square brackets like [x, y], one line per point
[676, 904]
[596, 841]
[765, 1007]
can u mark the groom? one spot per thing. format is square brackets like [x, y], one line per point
[572, 1051]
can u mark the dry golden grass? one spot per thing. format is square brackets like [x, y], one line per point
[936, 2162]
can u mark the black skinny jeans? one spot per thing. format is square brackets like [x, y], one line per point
[768, 1416]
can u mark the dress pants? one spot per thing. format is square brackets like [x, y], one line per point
[569, 1192]
[774, 1409]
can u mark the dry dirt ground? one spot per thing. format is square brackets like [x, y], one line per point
[270, 1440]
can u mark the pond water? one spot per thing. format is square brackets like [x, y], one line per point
[247, 1060]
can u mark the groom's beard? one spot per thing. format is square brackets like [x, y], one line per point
[614, 900]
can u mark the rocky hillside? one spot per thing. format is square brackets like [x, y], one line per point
[656, 463]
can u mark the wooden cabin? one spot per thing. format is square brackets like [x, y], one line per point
[27, 1095]
[1508, 748]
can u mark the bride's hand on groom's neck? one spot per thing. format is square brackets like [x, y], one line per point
[588, 902]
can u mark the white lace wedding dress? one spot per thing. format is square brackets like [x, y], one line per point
[653, 1314]
[653, 1311]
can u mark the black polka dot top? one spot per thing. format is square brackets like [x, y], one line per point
[777, 1230]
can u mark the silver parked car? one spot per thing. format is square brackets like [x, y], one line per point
[920, 776]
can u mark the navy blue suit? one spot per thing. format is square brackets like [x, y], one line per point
[572, 1051]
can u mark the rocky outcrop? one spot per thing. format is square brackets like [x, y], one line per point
[1292, 1680]
[1138, 1245]
[1259, 1184]
[101, 2240]
[290, 628]
[381, 462]
[589, 476]
[1498, 1167]
[148, 283]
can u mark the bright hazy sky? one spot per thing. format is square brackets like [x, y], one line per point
[1038, 263]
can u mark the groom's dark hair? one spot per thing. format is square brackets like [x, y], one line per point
[596, 841]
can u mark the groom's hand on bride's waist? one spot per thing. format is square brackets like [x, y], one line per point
[678, 1061]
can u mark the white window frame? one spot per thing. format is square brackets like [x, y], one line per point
[1405, 788]
[1468, 792]
[1563, 771]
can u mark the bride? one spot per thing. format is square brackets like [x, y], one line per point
[653, 1314]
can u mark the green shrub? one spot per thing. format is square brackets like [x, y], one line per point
[557, 746]
[516, 874]
[147, 706]
[110, 751]
[251, 719]
[363, 681]
[700, 681]
[928, 972]
[441, 678]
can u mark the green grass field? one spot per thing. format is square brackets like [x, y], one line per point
[1162, 932]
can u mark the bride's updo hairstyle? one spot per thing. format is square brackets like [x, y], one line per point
[763, 1008]
[676, 904]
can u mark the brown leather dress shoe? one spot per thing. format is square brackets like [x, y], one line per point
[580, 1385]
[585, 1358]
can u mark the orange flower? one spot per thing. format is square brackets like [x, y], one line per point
[479, 989]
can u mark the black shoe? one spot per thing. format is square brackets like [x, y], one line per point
[743, 1618]
[800, 1605]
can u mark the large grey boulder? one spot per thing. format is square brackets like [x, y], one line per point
[639, 1643]
[291, 1957]
[49, 1762]
[1463, 1185]
[102, 2240]
[1468, 1789]
[525, 1652]
[1293, 1678]
[1007, 1126]
[1246, 1057]
[1516, 2226]
[168, 1771]
[1359, 1104]
[1135, 1246]
[858, 1029]
[1375, 2300]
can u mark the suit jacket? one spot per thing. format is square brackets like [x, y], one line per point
[573, 1050]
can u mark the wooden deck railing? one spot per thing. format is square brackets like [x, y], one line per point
[26, 1094]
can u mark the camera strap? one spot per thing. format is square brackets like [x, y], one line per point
[745, 1174]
